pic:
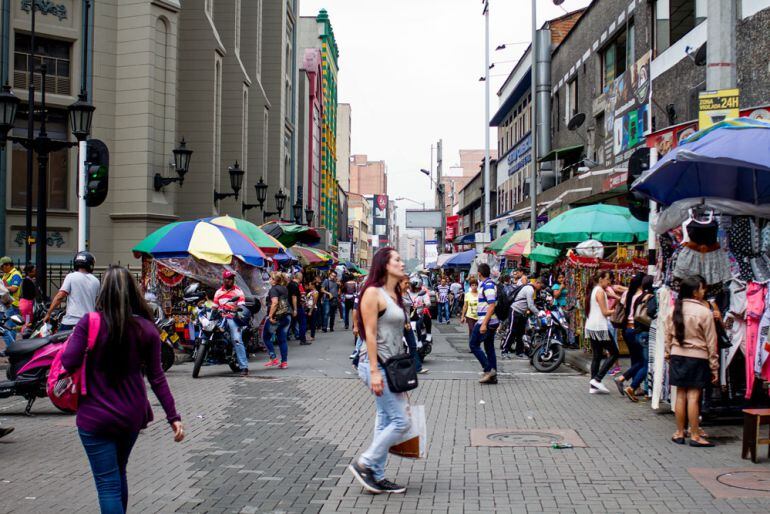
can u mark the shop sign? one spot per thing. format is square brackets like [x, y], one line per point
[716, 106]
[452, 226]
[344, 248]
[627, 116]
[617, 179]
[671, 137]
[45, 7]
[520, 155]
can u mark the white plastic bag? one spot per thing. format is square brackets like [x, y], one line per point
[414, 444]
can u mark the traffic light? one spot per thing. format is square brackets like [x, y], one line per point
[97, 172]
[638, 163]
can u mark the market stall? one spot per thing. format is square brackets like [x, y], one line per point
[714, 191]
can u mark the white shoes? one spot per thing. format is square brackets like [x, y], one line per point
[598, 387]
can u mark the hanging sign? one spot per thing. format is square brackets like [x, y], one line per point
[716, 106]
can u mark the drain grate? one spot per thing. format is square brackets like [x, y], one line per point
[525, 438]
[727, 483]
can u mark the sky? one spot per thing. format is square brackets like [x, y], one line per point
[410, 70]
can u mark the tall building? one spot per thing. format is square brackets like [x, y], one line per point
[280, 70]
[316, 32]
[310, 129]
[368, 177]
[343, 145]
[359, 214]
[458, 176]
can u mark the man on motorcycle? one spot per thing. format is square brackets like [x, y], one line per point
[80, 288]
[228, 299]
[420, 302]
[523, 303]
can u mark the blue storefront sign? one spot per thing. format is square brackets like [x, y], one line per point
[520, 155]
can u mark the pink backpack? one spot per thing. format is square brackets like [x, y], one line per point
[65, 389]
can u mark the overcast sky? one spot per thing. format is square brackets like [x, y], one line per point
[410, 70]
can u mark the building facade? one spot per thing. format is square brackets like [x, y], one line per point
[359, 214]
[310, 130]
[343, 145]
[317, 32]
[368, 177]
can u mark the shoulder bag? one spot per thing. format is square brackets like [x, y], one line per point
[641, 316]
[618, 317]
[400, 372]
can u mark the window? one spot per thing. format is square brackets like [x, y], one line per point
[571, 107]
[56, 56]
[674, 19]
[618, 55]
[58, 177]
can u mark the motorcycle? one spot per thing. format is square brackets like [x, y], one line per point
[213, 338]
[169, 339]
[39, 328]
[29, 363]
[546, 335]
[424, 339]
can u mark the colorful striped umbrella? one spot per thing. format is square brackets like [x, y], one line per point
[290, 234]
[312, 256]
[516, 250]
[203, 240]
[517, 243]
[259, 237]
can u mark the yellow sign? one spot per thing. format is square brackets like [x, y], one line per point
[716, 106]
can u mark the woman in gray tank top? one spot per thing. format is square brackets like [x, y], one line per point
[382, 317]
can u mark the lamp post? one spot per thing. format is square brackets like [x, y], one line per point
[261, 188]
[297, 212]
[280, 203]
[236, 181]
[309, 216]
[182, 156]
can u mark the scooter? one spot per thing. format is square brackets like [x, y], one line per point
[213, 340]
[29, 363]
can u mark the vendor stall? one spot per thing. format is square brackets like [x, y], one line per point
[714, 190]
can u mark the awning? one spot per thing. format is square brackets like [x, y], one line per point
[562, 153]
[465, 239]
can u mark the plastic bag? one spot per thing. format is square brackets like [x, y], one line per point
[415, 442]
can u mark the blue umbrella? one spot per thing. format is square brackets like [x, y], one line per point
[461, 260]
[728, 160]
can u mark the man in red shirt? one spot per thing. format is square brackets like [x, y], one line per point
[222, 300]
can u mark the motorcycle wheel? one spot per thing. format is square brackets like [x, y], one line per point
[552, 364]
[166, 357]
[200, 357]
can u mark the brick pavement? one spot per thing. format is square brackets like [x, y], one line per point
[281, 444]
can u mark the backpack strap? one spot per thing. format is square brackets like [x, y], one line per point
[94, 323]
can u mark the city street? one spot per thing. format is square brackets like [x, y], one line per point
[280, 441]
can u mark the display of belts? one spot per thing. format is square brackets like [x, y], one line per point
[714, 195]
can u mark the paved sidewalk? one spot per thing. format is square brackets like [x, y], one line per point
[280, 440]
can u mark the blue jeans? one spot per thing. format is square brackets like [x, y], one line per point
[487, 356]
[108, 457]
[411, 343]
[631, 338]
[443, 311]
[347, 308]
[390, 426]
[301, 323]
[279, 336]
[237, 339]
[642, 337]
[329, 313]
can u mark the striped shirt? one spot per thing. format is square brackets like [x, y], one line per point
[487, 299]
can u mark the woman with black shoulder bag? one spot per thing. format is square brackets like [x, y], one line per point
[381, 326]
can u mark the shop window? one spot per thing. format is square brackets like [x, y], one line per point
[56, 56]
[58, 178]
[572, 100]
[674, 19]
[618, 55]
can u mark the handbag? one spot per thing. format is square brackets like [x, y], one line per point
[415, 441]
[283, 307]
[618, 317]
[400, 372]
[641, 315]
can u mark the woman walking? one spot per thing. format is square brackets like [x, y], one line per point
[116, 408]
[470, 313]
[278, 321]
[691, 349]
[381, 320]
[636, 336]
[598, 332]
[311, 306]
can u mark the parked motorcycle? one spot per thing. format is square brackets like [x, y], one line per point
[169, 339]
[29, 363]
[38, 328]
[213, 342]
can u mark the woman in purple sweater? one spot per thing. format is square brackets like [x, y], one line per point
[116, 407]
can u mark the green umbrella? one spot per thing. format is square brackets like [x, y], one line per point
[499, 244]
[544, 254]
[605, 223]
[290, 234]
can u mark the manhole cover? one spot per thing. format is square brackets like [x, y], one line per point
[524, 437]
[749, 480]
[728, 483]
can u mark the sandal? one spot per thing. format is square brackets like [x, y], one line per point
[698, 444]
[677, 440]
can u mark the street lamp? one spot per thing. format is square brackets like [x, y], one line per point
[236, 181]
[182, 156]
[261, 188]
[9, 103]
[309, 216]
[280, 202]
[81, 115]
[297, 211]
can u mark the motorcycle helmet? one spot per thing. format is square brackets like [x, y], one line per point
[84, 260]
[415, 280]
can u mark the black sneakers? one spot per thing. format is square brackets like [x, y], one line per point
[365, 478]
[389, 487]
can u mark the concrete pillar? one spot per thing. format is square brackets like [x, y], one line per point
[720, 60]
